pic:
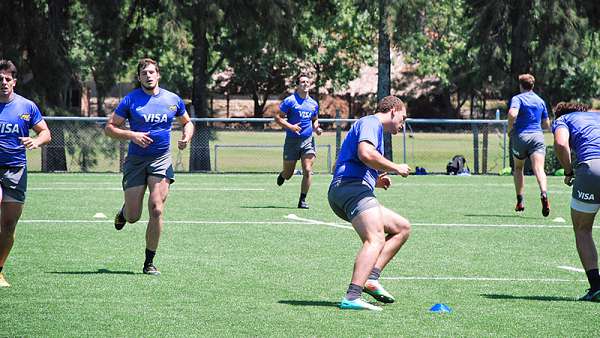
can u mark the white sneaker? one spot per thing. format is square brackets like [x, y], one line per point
[3, 282]
[374, 288]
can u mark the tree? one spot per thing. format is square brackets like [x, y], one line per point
[384, 66]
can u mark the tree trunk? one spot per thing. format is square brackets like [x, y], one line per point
[200, 147]
[384, 67]
[520, 14]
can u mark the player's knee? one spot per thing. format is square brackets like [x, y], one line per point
[376, 241]
[9, 228]
[156, 210]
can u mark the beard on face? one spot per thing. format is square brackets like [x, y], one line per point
[146, 86]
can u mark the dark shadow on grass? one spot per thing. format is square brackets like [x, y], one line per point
[500, 215]
[540, 298]
[309, 303]
[267, 207]
[99, 271]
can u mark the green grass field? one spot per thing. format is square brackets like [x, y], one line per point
[233, 264]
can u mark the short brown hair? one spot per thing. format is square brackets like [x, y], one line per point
[563, 108]
[527, 81]
[300, 76]
[388, 103]
[143, 63]
[8, 65]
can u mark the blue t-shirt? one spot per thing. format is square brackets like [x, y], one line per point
[348, 165]
[300, 110]
[153, 114]
[584, 133]
[16, 118]
[532, 110]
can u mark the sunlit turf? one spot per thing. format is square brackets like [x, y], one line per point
[233, 264]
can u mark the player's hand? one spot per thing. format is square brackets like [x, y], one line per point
[318, 131]
[296, 128]
[383, 181]
[181, 144]
[569, 180]
[29, 143]
[141, 139]
[403, 170]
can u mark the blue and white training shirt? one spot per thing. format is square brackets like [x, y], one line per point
[16, 118]
[532, 110]
[153, 114]
[299, 110]
[584, 133]
[348, 165]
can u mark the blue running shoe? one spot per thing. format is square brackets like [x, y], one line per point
[358, 304]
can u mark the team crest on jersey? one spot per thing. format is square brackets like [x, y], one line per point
[25, 116]
[173, 108]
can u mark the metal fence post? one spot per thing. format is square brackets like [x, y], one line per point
[475, 148]
[484, 152]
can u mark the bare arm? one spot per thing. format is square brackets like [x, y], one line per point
[188, 130]
[280, 120]
[43, 136]
[113, 129]
[512, 116]
[316, 128]
[563, 152]
[373, 159]
[546, 123]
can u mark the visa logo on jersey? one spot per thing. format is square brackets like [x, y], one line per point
[9, 128]
[305, 114]
[585, 195]
[155, 118]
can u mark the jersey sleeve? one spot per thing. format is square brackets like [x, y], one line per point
[35, 116]
[545, 112]
[559, 123]
[515, 102]
[369, 132]
[123, 107]
[180, 107]
[285, 106]
[316, 112]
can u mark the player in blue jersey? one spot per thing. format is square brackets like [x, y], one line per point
[150, 111]
[17, 116]
[526, 117]
[577, 130]
[302, 113]
[360, 168]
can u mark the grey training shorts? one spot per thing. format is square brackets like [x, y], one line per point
[586, 187]
[295, 148]
[14, 184]
[136, 169]
[347, 199]
[525, 144]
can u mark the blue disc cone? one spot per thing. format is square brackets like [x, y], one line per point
[439, 307]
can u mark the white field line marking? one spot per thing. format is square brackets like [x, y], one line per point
[312, 221]
[173, 189]
[166, 222]
[570, 268]
[485, 279]
[336, 225]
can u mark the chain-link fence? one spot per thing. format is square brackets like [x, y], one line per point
[255, 145]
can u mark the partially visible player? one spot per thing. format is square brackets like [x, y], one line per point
[360, 168]
[302, 113]
[150, 111]
[576, 129]
[17, 116]
[526, 117]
